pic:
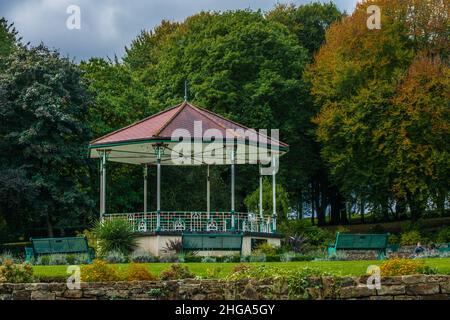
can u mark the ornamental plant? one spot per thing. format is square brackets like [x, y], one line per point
[266, 248]
[98, 271]
[115, 235]
[410, 238]
[138, 272]
[177, 271]
[15, 273]
[443, 235]
[402, 267]
[142, 256]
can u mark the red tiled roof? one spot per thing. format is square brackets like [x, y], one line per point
[162, 125]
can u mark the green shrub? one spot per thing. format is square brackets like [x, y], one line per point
[61, 259]
[273, 258]
[43, 260]
[265, 248]
[282, 198]
[171, 258]
[413, 226]
[15, 273]
[287, 256]
[156, 293]
[254, 258]
[443, 235]
[304, 257]
[192, 258]
[70, 259]
[142, 256]
[115, 235]
[292, 227]
[17, 249]
[338, 256]
[291, 256]
[213, 273]
[115, 257]
[318, 236]
[91, 238]
[410, 238]
[393, 239]
[427, 270]
[243, 271]
[300, 279]
[98, 271]
[208, 259]
[232, 258]
[433, 254]
[175, 272]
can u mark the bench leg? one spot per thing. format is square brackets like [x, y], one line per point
[331, 251]
[381, 255]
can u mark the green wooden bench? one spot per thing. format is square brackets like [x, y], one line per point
[346, 241]
[68, 245]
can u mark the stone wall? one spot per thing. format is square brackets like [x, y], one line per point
[392, 288]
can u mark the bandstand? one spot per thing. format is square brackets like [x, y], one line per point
[189, 135]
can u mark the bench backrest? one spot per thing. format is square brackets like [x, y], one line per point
[60, 245]
[361, 241]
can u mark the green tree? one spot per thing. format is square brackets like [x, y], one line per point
[238, 64]
[308, 22]
[354, 81]
[252, 201]
[8, 37]
[309, 180]
[43, 140]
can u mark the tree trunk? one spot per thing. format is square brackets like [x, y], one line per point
[414, 206]
[49, 226]
[312, 204]
[338, 211]
[362, 208]
[400, 207]
[440, 202]
[385, 210]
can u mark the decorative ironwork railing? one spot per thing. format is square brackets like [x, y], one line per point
[194, 221]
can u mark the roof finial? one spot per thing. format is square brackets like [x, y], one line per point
[185, 90]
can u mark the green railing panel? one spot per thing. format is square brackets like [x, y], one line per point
[212, 242]
[194, 221]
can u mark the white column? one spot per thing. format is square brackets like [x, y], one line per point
[145, 187]
[158, 192]
[274, 195]
[102, 185]
[208, 193]
[232, 189]
[260, 192]
[159, 151]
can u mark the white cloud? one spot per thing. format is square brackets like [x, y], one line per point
[107, 26]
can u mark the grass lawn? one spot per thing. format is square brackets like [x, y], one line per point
[344, 268]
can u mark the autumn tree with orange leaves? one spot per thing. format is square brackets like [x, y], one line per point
[384, 112]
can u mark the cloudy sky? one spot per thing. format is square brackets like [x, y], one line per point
[108, 25]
